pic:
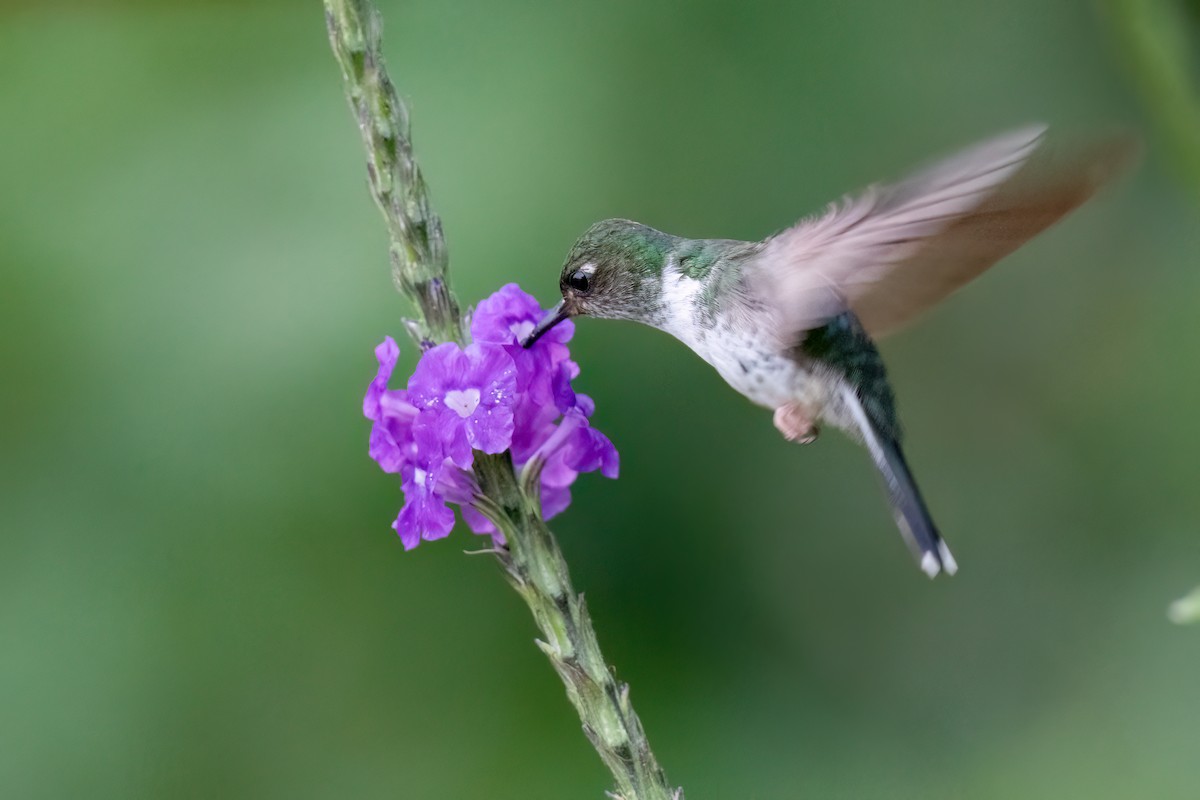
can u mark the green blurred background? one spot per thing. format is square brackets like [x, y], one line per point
[200, 595]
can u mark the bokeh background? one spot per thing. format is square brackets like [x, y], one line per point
[200, 594]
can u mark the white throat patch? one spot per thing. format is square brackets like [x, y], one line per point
[678, 297]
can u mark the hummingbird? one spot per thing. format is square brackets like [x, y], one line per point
[791, 321]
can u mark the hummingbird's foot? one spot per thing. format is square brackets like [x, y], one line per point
[796, 424]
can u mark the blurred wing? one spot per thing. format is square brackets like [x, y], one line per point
[895, 250]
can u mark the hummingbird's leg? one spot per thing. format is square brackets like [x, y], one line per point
[796, 423]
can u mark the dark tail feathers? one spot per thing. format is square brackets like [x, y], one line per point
[908, 507]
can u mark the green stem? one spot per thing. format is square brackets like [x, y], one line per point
[531, 558]
[420, 267]
[1154, 40]
[537, 570]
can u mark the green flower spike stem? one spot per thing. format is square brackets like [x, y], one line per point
[531, 558]
[536, 568]
[420, 267]
[1158, 43]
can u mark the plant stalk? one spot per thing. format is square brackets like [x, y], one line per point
[531, 558]
[1158, 43]
[536, 568]
[417, 246]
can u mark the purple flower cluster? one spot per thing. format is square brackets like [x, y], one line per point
[492, 395]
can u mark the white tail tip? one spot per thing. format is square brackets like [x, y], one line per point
[948, 561]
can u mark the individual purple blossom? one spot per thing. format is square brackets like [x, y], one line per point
[585, 449]
[425, 514]
[493, 395]
[465, 397]
[391, 440]
[573, 447]
[511, 314]
[394, 445]
[544, 371]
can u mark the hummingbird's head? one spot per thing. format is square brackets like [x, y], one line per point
[613, 271]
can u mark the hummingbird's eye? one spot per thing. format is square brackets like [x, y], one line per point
[579, 281]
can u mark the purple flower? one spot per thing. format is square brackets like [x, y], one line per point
[544, 371]
[415, 452]
[492, 396]
[575, 447]
[509, 315]
[572, 447]
[425, 514]
[391, 436]
[466, 398]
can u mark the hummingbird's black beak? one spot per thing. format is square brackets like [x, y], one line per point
[552, 318]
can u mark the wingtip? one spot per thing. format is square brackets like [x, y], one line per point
[1033, 130]
[1025, 139]
[1085, 160]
